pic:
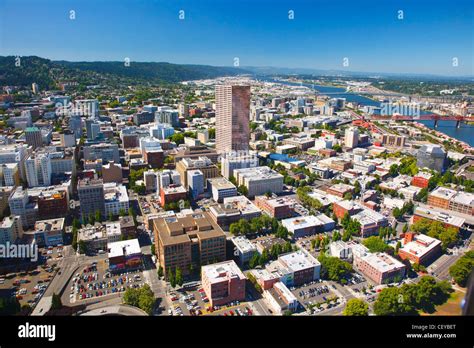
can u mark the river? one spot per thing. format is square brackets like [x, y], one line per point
[465, 133]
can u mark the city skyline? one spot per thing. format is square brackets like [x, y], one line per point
[319, 35]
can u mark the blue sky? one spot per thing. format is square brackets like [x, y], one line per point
[258, 32]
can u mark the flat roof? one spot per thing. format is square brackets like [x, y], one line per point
[421, 245]
[222, 271]
[440, 216]
[382, 262]
[124, 248]
[298, 260]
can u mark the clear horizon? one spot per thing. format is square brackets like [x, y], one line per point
[368, 36]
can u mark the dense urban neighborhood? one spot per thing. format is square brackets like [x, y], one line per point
[232, 195]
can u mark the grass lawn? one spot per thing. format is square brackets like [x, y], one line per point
[451, 307]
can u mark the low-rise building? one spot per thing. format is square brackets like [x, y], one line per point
[448, 220]
[381, 268]
[280, 298]
[302, 226]
[244, 249]
[279, 208]
[49, 232]
[259, 180]
[124, 255]
[223, 282]
[172, 193]
[221, 188]
[232, 210]
[420, 248]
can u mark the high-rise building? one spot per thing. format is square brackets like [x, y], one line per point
[351, 137]
[432, 157]
[232, 118]
[38, 169]
[33, 137]
[230, 162]
[195, 182]
[91, 197]
[204, 164]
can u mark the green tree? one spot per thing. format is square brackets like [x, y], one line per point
[254, 260]
[391, 301]
[375, 244]
[463, 267]
[98, 216]
[171, 278]
[82, 247]
[356, 307]
[333, 268]
[160, 271]
[179, 277]
[243, 190]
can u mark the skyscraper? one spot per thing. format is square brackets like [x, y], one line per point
[232, 117]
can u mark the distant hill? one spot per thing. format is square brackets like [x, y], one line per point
[47, 73]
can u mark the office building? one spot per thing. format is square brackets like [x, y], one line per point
[172, 193]
[9, 174]
[279, 208]
[53, 204]
[125, 255]
[204, 164]
[195, 182]
[295, 268]
[38, 170]
[232, 210]
[223, 282]
[115, 199]
[112, 172]
[259, 180]
[243, 249]
[432, 157]
[103, 151]
[49, 232]
[232, 161]
[221, 188]
[393, 140]
[445, 218]
[187, 242]
[381, 268]
[232, 118]
[351, 137]
[11, 229]
[445, 198]
[280, 299]
[91, 197]
[33, 137]
[303, 226]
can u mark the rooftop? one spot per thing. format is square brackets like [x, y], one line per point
[298, 260]
[124, 248]
[222, 271]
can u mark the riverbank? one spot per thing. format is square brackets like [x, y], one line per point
[467, 148]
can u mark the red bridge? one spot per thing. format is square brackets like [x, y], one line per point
[427, 117]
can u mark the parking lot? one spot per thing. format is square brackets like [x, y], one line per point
[188, 302]
[357, 283]
[95, 281]
[315, 294]
[28, 287]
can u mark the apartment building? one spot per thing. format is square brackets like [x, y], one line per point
[259, 180]
[204, 164]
